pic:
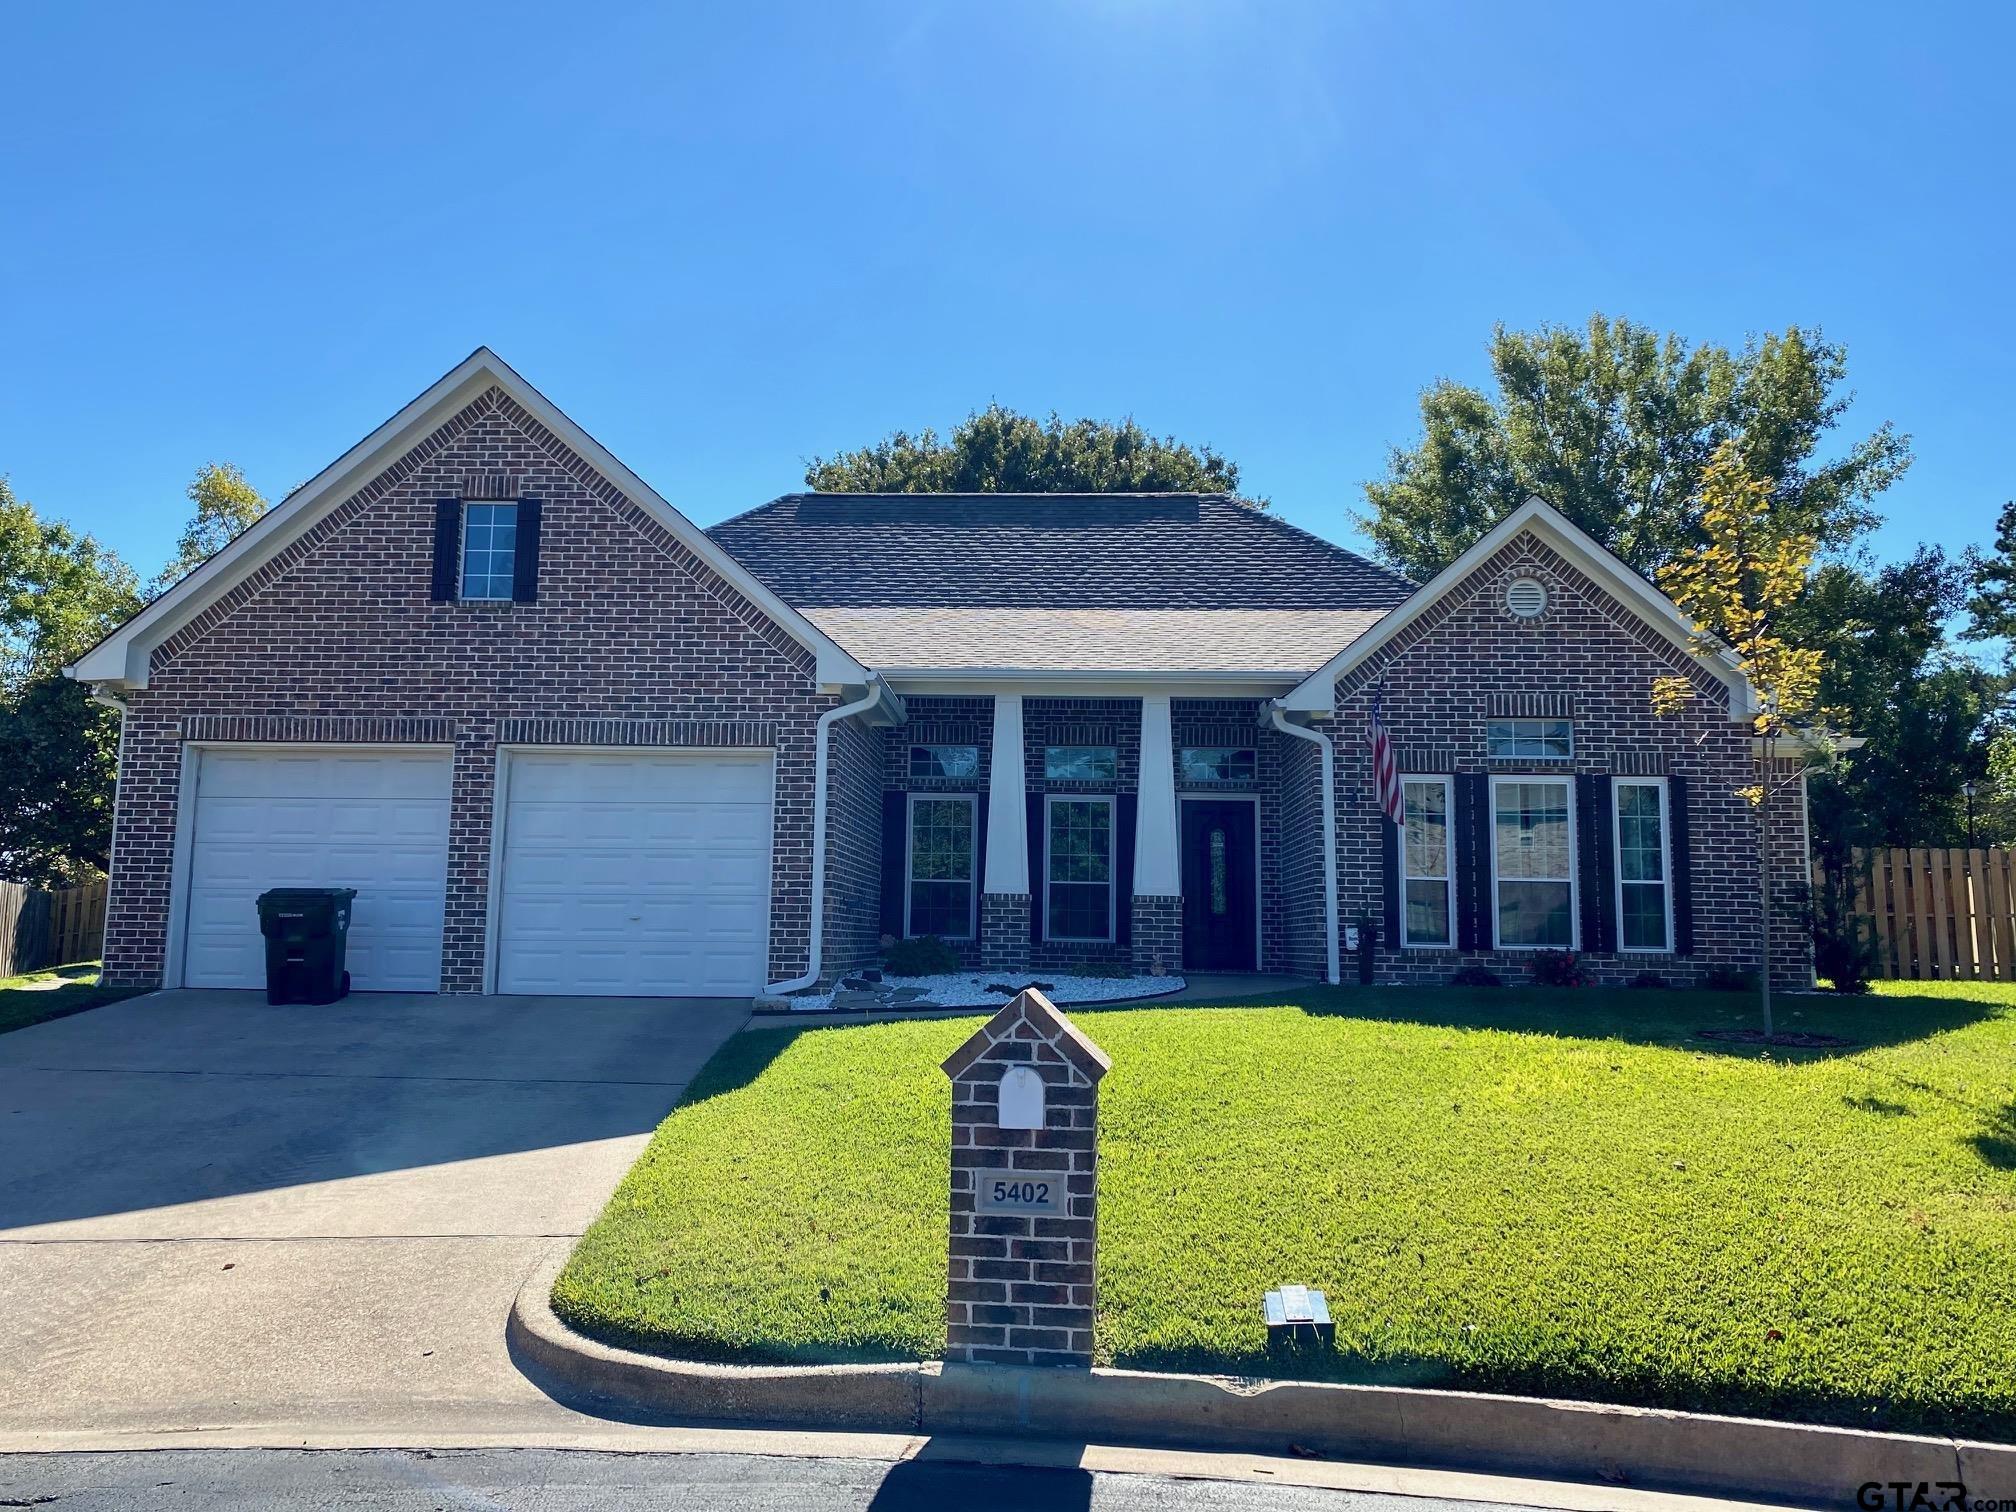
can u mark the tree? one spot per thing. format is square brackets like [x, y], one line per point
[1991, 609]
[59, 593]
[1890, 676]
[1751, 567]
[1614, 426]
[225, 505]
[997, 450]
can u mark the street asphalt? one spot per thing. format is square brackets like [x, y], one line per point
[540, 1480]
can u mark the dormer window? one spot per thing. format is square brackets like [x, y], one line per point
[489, 548]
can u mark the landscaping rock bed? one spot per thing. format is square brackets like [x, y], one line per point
[876, 992]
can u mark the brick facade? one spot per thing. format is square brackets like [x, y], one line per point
[634, 640]
[1021, 1289]
[1588, 659]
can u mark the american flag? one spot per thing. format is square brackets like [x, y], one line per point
[1385, 770]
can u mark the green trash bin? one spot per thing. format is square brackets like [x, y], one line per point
[305, 930]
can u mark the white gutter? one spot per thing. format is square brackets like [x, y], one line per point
[822, 737]
[1278, 717]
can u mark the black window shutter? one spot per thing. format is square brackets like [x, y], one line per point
[1473, 863]
[1596, 859]
[447, 550]
[1683, 868]
[1036, 871]
[1389, 857]
[1125, 807]
[525, 554]
[895, 853]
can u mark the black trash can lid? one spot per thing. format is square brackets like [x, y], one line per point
[302, 897]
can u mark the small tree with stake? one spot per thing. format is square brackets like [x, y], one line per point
[1735, 588]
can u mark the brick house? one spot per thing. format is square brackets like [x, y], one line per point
[563, 741]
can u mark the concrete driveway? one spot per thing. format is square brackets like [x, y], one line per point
[217, 1214]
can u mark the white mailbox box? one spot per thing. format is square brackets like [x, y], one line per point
[1021, 1098]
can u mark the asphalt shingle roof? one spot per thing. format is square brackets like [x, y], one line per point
[1062, 582]
[1290, 642]
[1075, 551]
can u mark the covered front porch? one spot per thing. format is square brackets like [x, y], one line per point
[1105, 829]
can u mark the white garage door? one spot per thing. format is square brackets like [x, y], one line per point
[635, 874]
[373, 820]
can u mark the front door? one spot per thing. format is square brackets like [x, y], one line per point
[1219, 886]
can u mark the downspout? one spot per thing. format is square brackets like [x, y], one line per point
[821, 739]
[1278, 717]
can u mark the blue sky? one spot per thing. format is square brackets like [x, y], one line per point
[727, 238]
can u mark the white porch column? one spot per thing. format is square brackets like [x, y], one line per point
[1156, 870]
[1007, 822]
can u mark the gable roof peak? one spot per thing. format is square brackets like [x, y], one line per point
[1317, 692]
[121, 659]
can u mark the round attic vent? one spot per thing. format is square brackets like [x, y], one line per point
[1526, 597]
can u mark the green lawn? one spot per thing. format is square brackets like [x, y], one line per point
[1509, 1190]
[40, 995]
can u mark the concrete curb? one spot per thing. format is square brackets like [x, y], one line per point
[1643, 1447]
[581, 1371]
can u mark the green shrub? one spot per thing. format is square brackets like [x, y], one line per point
[1649, 979]
[1559, 968]
[926, 955]
[1476, 976]
[1844, 948]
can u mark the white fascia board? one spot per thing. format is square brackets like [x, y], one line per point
[1318, 691]
[986, 681]
[121, 658]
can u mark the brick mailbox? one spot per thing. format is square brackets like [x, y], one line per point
[1025, 1192]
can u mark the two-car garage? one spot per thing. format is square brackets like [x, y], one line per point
[613, 872]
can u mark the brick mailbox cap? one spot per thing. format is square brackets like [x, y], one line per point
[1031, 1007]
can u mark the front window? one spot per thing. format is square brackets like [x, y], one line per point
[1217, 764]
[1644, 896]
[1078, 869]
[1427, 862]
[956, 761]
[1529, 739]
[489, 550]
[1533, 863]
[941, 867]
[1079, 763]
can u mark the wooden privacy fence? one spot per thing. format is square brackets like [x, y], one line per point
[1939, 913]
[41, 928]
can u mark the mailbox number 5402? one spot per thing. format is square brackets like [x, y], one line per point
[1021, 1191]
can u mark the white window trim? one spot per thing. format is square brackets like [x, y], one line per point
[971, 800]
[1617, 786]
[1448, 877]
[1557, 779]
[462, 592]
[1051, 800]
[1527, 719]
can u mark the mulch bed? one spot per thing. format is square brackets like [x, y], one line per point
[1789, 1040]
